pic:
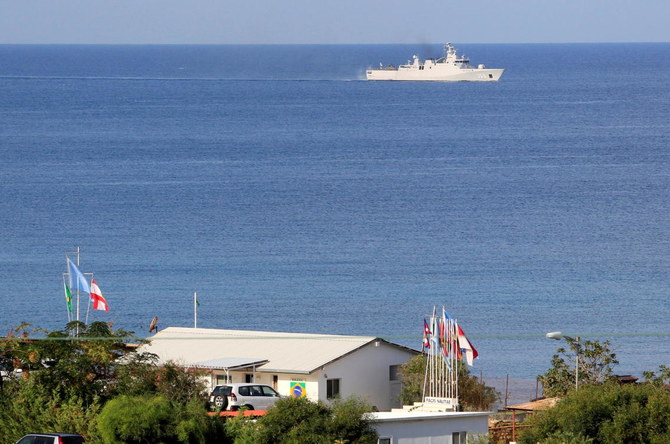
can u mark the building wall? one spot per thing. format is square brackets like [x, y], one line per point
[365, 373]
[431, 431]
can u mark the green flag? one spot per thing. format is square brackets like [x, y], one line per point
[68, 297]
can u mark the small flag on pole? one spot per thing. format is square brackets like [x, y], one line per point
[426, 334]
[467, 347]
[99, 302]
[68, 296]
[77, 279]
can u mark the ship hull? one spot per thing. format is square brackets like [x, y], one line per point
[435, 75]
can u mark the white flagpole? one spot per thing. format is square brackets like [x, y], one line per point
[195, 309]
[78, 292]
[458, 347]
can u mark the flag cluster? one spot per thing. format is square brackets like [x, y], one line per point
[77, 281]
[442, 335]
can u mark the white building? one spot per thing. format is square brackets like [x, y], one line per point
[424, 427]
[320, 367]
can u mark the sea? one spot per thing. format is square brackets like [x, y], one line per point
[291, 195]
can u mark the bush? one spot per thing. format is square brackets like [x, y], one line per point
[24, 408]
[137, 420]
[608, 413]
[301, 421]
[566, 438]
[143, 419]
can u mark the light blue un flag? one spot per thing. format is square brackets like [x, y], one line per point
[77, 279]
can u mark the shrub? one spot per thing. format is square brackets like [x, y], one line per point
[301, 421]
[143, 419]
[24, 409]
[608, 413]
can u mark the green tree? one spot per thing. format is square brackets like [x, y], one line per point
[607, 414]
[95, 365]
[349, 422]
[68, 375]
[413, 374]
[301, 421]
[63, 365]
[18, 352]
[662, 377]
[473, 394]
[596, 363]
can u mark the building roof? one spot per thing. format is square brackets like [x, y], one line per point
[626, 379]
[284, 352]
[421, 415]
[538, 404]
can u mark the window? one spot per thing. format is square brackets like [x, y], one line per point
[275, 381]
[268, 391]
[459, 438]
[384, 440]
[332, 388]
[394, 373]
[249, 378]
[223, 379]
[244, 390]
[222, 390]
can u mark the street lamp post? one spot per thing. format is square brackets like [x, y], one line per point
[557, 335]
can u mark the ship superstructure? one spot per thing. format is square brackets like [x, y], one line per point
[450, 68]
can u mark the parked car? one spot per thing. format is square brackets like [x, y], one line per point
[237, 395]
[51, 438]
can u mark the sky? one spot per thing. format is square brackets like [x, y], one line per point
[333, 21]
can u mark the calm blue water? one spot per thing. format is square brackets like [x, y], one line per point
[293, 196]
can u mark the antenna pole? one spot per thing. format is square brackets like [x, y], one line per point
[195, 309]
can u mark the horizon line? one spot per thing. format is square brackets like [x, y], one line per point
[318, 44]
